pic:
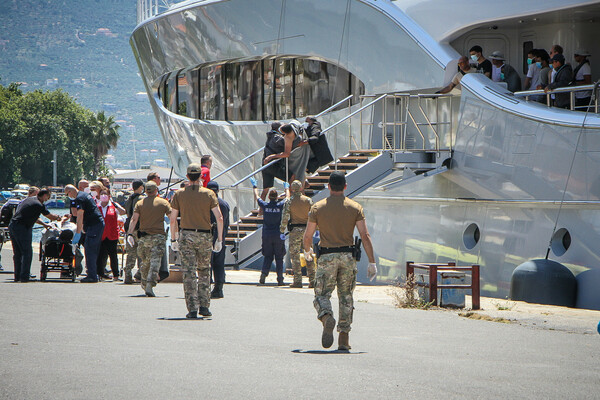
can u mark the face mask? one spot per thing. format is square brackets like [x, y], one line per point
[538, 64]
[87, 189]
[474, 58]
[502, 75]
[71, 198]
[529, 61]
[94, 194]
[104, 197]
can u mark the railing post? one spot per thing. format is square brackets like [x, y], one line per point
[335, 147]
[239, 220]
[572, 100]
[433, 284]
[475, 287]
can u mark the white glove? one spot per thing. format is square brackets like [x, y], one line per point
[130, 240]
[174, 245]
[308, 255]
[217, 246]
[371, 271]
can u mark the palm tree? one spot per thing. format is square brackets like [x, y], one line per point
[105, 137]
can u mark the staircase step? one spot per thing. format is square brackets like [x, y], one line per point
[343, 166]
[233, 233]
[359, 159]
[368, 152]
[244, 226]
[252, 218]
[317, 178]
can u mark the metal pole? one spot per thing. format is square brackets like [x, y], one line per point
[54, 170]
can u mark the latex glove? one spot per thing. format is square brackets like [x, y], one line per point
[76, 238]
[308, 255]
[217, 246]
[371, 271]
[130, 240]
[286, 185]
[282, 236]
[174, 245]
[253, 182]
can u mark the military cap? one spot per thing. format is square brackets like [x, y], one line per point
[213, 185]
[151, 186]
[194, 168]
[296, 186]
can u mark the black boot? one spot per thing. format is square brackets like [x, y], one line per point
[217, 292]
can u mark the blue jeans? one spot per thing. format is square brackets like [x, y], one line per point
[20, 236]
[93, 239]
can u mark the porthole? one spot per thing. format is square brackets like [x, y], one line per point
[561, 241]
[471, 236]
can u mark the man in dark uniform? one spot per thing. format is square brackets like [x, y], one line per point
[90, 221]
[194, 204]
[336, 217]
[217, 260]
[273, 242]
[321, 154]
[21, 229]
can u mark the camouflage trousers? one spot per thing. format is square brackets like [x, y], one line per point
[296, 248]
[336, 269]
[131, 253]
[195, 249]
[150, 250]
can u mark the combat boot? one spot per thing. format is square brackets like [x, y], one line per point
[328, 325]
[263, 276]
[192, 315]
[127, 277]
[217, 292]
[344, 342]
[296, 284]
[138, 276]
[149, 291]
[205, 312]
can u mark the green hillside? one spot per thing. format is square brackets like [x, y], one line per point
[81, 46]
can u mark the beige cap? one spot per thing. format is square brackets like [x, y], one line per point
[151, 186]
[497, 55]
[194, 168]
[582, 52]
[296, 186]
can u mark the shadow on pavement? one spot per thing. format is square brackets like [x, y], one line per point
[144, 296]
[184, 319]
[298, 351]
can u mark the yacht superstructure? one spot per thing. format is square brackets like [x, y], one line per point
[480, 176]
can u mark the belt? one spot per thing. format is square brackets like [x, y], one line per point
[329, 250]
[297, 226]
[196, 230]
[141, 234]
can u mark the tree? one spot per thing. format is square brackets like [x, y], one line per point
[105, 137]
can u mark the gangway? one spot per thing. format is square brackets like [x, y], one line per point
[391, 122]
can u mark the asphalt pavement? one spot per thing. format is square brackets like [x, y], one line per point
[63, 340]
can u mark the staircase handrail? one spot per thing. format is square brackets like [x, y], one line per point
[262, 148]
[324, 131]
[566, 89]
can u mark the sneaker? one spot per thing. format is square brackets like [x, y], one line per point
[205, 312]
[149, 291]
[263, 276]
[328, 325]
[88, 280]
[192, 315]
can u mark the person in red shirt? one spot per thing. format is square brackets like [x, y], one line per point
[206, 163]
[110, 237]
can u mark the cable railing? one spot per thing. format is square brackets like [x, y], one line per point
[571, 90]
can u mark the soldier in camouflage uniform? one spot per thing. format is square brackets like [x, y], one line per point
[193, 204]
[295, 211]
[336, 217]
[150, 212]
[131, 251]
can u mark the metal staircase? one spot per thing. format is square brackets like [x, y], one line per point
[364, 167]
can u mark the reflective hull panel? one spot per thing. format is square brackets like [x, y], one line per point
[510, 167]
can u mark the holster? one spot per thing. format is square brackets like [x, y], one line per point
[357, 250]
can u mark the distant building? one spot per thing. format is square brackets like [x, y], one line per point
[43, 67]
[122, 178]
[105, 32]
[78, 81]
[53, 82]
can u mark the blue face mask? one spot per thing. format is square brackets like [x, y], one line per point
[539, 65]
[529, 61]
[474, 57]
[502, 75]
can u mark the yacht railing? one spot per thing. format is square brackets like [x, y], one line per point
[568, 89]
[149, 8]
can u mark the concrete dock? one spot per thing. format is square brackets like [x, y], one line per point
[63, 340]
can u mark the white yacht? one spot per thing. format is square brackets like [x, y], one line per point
[477, 176]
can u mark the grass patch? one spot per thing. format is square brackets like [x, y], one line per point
[504, 306]
[406, 295]
[483, 317]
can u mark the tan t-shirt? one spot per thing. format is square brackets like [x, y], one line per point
[459, 75]
[152, 211]
[336, 217]
[299, 209]
[194, 204]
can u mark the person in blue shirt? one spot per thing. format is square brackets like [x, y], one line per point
[273, 241]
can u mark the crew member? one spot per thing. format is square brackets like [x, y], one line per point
[194, 203]
[336, 217]
[164, 262]
[206, 163]
[151, 213]
[217, 259]
[131, 250]
[295, 217]
[21, 229]
[89, 220]
[273, 242]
